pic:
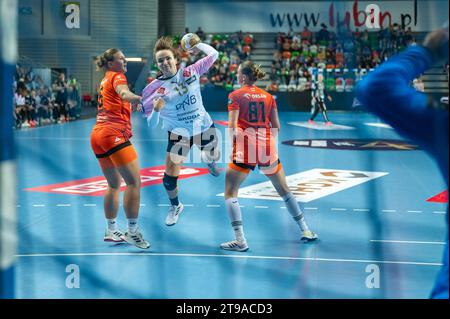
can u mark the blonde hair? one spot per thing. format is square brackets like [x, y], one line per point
[252, 70]
[107, 56]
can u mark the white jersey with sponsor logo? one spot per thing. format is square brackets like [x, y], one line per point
[183, 113]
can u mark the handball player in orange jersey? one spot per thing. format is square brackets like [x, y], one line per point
[110, 141]
[254, 125]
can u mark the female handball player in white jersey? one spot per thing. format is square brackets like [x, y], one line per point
[174, 99]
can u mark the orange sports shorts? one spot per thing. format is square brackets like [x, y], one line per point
[111, 147]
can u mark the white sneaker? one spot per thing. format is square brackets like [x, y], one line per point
[174, 213]
[234, 245]
[308, 235]
[114, 236]
[213, 169]
[136, 239]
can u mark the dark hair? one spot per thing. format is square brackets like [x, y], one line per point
[164, 43]
[252, 70]
[107, 56]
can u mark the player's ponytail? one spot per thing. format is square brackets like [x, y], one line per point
[252, 70]
[103, 59]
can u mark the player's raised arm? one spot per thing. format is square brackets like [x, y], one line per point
[191, 43]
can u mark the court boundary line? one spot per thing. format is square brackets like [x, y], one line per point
[414, 263]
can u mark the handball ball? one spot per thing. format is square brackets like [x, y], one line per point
[189, 40]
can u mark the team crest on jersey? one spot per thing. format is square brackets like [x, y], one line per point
[161, 90]
[230, 100]
[186, 73]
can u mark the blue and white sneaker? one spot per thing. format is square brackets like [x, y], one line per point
[234, 245]
[308, 235]
[114, 236]
[174, 213]
[136, 239]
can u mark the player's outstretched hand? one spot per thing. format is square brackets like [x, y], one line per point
[136, 105]
[158, 104]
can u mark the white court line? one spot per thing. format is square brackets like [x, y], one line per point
[188, 205]
[212, 205]
[143, 205]
[242, 206]
[163, 205]
[407, 242]
[283, 207]
[339, 209]
[361, 209]
[311, 208]
[388, 210]
[89, 205]
[417, 263]
[38, 205]
[18, 206]
[439, 212]
[261, 206]
[414, 211]
[63, 205]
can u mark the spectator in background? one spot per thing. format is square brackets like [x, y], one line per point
[20, 108]
[45, 109]
[73, 103]
[306, 35]
[272, 86]
[200, 33]
[323, 35]
[60, 88]
[73, 82]
[31, 103]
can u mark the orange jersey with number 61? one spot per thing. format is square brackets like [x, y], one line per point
[255, 106]
[255, 141]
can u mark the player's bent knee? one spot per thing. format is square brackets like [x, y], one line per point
[170, 182]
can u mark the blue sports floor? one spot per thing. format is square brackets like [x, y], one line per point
[378, 239]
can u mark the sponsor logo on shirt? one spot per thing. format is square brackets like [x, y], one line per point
[186, 73]
[189, 100]
[191, 79]
[254, 96]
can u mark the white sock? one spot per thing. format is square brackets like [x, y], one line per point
[295, 211]
[132, 225]
[111, 224]
[234, 213]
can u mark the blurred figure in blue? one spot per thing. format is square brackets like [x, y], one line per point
[387, 92]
